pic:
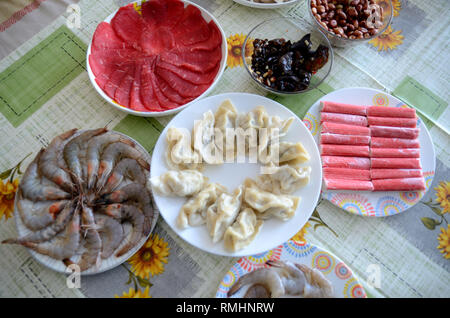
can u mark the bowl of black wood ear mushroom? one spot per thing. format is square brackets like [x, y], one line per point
[350, 22]
[282, 58]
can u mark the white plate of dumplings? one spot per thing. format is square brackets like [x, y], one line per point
[227, 183]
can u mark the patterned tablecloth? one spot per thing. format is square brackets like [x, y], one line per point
[45, 90]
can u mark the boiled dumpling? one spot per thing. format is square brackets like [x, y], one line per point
[267, 204]
[222, 213]
[193, 212]
[290, 153]
[204, 139]
[283, 179]
[225, 122]
[179, 183]
[273, 130]
[256, 118]
[179, 154]
[243, 230]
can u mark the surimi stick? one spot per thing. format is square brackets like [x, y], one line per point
[404, 184]
[343, 129]
[395, 173]
[394, 163]
[395, 152]
[344, 119]
[392, 122]
[380, 142]
[383, 111]
[345, 184]
[344, 150]
[341, 108]
[394, 132]
[344, 139]
[346, 173]
[346, 162]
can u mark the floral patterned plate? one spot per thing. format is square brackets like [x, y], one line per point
[376, 204]
[340, 275]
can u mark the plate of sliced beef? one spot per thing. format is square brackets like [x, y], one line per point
[153, 58]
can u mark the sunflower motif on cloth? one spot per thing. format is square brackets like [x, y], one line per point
[150, 258]
[444, 242]
[388, 40]
[7, 194]
[234, 45]
[396, 7]
[132, 293]
[443, 196]
[300, 236]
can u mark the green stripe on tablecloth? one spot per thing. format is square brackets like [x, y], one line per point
[145, 130]
[300, 103]
[421, 98]
[41, 73]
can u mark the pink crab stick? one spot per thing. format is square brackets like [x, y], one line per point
[395, 152]
[346, 173]
[392, 122]
[395, 173]
[381, 142]
[344, 150]
[394, 132]
[403, 184]
[383, 111]
[344, 139]
[347, 184]
[343, 129]
[346, 162]
[395, 163]
[341, 108]
[344, 119]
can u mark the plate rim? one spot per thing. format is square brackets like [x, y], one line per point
[266, 5]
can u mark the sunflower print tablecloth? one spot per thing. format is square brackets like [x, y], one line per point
[409, 253]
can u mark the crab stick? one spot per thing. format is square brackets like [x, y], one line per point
[391, 163]
[344, 119]
[343, 129]
[344, 139]
[392, 121]
[346, 184]
[395, 152]
[344, 150]
[383, 111]
[346, 162]
[395, 173]
[333, 107]
[381, 142]
[346, 173]
[394, 132]
[403, 184]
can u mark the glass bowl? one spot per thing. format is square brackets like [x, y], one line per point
[288, 29]
[338, 41]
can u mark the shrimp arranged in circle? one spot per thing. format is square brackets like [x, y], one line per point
[77, 195]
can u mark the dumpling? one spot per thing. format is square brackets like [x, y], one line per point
[256, 118]
[222, 213]
[204, 139]
[193, 212]
[243, 231]
[267, 204]
[179, 153]
[292, 153]
[225, 122]
[283, 179]
[179, 183]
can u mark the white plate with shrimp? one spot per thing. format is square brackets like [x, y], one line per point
[231, 175]
[343, 282]
[60, 244]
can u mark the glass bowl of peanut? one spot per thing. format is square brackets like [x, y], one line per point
[351, 22]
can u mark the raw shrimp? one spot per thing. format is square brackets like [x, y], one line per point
[114, 152]
[111, 234]
[317, 285]
[266, 277]
[75, 151]
[49, 164]
[95, 148]
[126, 168]
[49, 232]
[92, 240]
[34, 188]
[63, 245]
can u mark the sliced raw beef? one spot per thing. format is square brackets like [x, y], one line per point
[105, 37]
[197, 61]
[212, 42]
[122, 94]
[135, 96]
[184, 88]
[162, 99]
[172, 94]
[192, 28]
[114, 81]
[154, 42]
[174, 13]
[147, 94]
[165, 13]
[128, 25]
[190, 76]
[113, 57]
